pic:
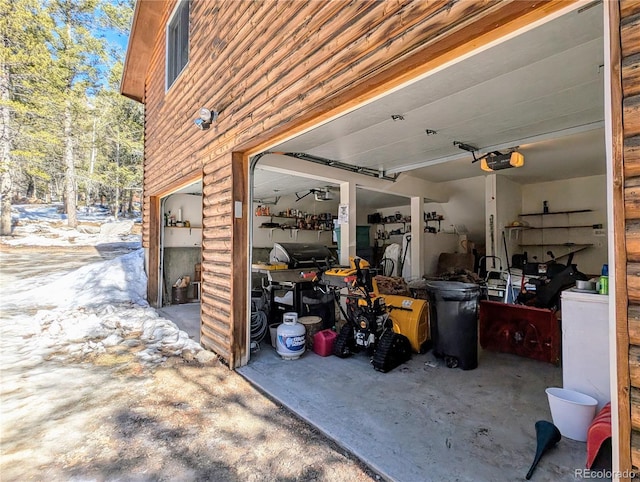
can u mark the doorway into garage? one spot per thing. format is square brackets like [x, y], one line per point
[181, 257]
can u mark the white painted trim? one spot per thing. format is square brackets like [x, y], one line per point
[247, 343]
[417, 238]
[348, 235]
[167, 87]
[246, 356]
[613, 353]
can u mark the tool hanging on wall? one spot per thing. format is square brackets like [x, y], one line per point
[404, 255]
[506, 252]
[509, 295]
[493, 242]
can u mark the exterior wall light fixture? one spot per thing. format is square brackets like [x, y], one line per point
[205, 118]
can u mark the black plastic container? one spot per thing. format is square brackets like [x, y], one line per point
[178, 295]
[454, 322]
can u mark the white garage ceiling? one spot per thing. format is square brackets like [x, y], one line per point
[542, 91]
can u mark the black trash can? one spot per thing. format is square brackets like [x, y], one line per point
[454, 322]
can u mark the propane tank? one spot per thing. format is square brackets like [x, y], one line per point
[290, 344]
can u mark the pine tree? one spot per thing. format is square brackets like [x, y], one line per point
[24, 63]
[119, 142]
[76, 54]
[54, 70]
[116, 162]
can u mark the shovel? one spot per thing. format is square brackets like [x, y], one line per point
[547, 435]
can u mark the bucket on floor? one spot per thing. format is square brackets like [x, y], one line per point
[572, 412]
[178, 295]
[273, 332]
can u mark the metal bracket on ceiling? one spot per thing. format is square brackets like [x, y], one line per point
[468, 148]
[473, 150]
[367, 171]
[264, 201]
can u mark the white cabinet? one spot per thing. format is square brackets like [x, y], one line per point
[176, 237]
[585, 344]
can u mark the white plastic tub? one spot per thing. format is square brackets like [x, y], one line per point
[572, 412]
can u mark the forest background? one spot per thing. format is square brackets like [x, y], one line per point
[66, 133]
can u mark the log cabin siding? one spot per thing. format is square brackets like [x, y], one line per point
[631, 75]
[217, 241]
[271, 69]
[626, 139]
[628, 8]
[634, 325]
[631, 117]
[632, 154]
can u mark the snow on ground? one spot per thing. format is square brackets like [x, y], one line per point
[113, 281]
[86, 311]
[43, 225]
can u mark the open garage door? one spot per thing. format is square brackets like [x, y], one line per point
[443, 149]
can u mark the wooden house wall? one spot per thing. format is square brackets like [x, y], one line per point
[626, 149]
[269, 69]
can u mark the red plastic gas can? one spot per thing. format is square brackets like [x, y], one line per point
[323, 342]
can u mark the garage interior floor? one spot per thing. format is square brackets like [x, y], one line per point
[186, 316]
[422, 421]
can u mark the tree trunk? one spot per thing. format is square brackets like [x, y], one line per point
[130, 202]
[92, 162]
[31, 188]
[5, 152]
[70, 171]
[117, 174]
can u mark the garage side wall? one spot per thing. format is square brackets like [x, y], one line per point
[272, 69]
[216, 312]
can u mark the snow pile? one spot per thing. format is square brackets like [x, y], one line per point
[95, 308]
[43, 225]
[85, 331]
[121, 279]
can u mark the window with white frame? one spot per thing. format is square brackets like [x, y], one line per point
[177, 41]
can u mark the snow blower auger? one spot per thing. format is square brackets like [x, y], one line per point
[369, 327]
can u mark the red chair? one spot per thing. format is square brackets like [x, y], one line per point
[599, 431]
